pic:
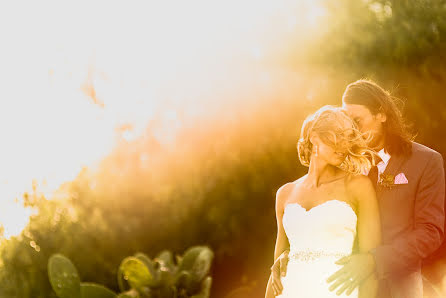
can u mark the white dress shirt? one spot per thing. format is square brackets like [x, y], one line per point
[382, 165]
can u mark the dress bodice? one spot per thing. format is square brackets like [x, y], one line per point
[318, 238]
[328, 228]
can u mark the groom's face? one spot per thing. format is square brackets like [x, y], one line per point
[371, 125]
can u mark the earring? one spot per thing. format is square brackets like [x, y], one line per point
[315, 149]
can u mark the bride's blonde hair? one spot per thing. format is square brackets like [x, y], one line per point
[335, 128]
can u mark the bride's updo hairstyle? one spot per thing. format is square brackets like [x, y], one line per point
[337, 130]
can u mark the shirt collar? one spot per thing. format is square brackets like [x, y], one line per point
[384, 156]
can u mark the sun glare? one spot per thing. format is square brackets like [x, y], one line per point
[314, 14]
[75, 73]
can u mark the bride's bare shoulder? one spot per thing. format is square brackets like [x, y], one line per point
[359, 184]
[285, 190]
[354, 180]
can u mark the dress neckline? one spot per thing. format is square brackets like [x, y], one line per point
[320, 205]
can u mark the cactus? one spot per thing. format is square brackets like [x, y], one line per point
[151, 265]
[140, 277]
[64, 277]
[166, 277]
[182, 279]
[202, 264]
[136, 273]
[147, 261]
[205, 288]
[92, 290]
[187, 278]
[189, 257]
[197, 262]
[129, 294]
[165, 259]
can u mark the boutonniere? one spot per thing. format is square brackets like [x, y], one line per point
[386, 181]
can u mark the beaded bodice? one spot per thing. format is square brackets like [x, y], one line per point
[326, 230]
[317, 238]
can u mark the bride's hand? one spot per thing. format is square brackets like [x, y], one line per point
[277, 270]
[356, 269]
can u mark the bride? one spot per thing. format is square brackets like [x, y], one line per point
[320, 214]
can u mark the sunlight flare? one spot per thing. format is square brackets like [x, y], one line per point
[71, 86]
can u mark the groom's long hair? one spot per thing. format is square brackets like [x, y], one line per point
[396, 131]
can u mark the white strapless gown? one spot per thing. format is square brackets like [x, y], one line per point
[317, 238]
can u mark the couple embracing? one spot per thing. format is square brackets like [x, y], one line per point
[369, 210]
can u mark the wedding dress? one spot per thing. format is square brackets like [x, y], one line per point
[318, 237]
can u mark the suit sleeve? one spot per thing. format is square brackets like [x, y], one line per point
[406, 252]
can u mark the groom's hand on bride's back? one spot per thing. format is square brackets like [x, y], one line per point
[278, 269]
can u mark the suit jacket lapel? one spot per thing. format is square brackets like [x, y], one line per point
[395, 163]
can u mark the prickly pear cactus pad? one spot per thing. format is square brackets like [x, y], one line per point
[205, 288]
[92, 290]
[189, 257]
[136, 273]
[202, 264]
[147, 261]
[64, 277]
[166, 256]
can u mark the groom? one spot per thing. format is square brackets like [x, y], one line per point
[410, 189]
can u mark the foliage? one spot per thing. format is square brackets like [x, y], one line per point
[64, 277]
[139, 276]
[382, 33]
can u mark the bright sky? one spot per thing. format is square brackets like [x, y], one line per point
[72, 72]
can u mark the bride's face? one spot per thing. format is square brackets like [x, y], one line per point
[332, 156]
[333, 153]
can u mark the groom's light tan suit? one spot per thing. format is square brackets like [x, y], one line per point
[412, 218]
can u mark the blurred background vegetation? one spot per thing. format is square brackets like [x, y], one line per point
[215, 183]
